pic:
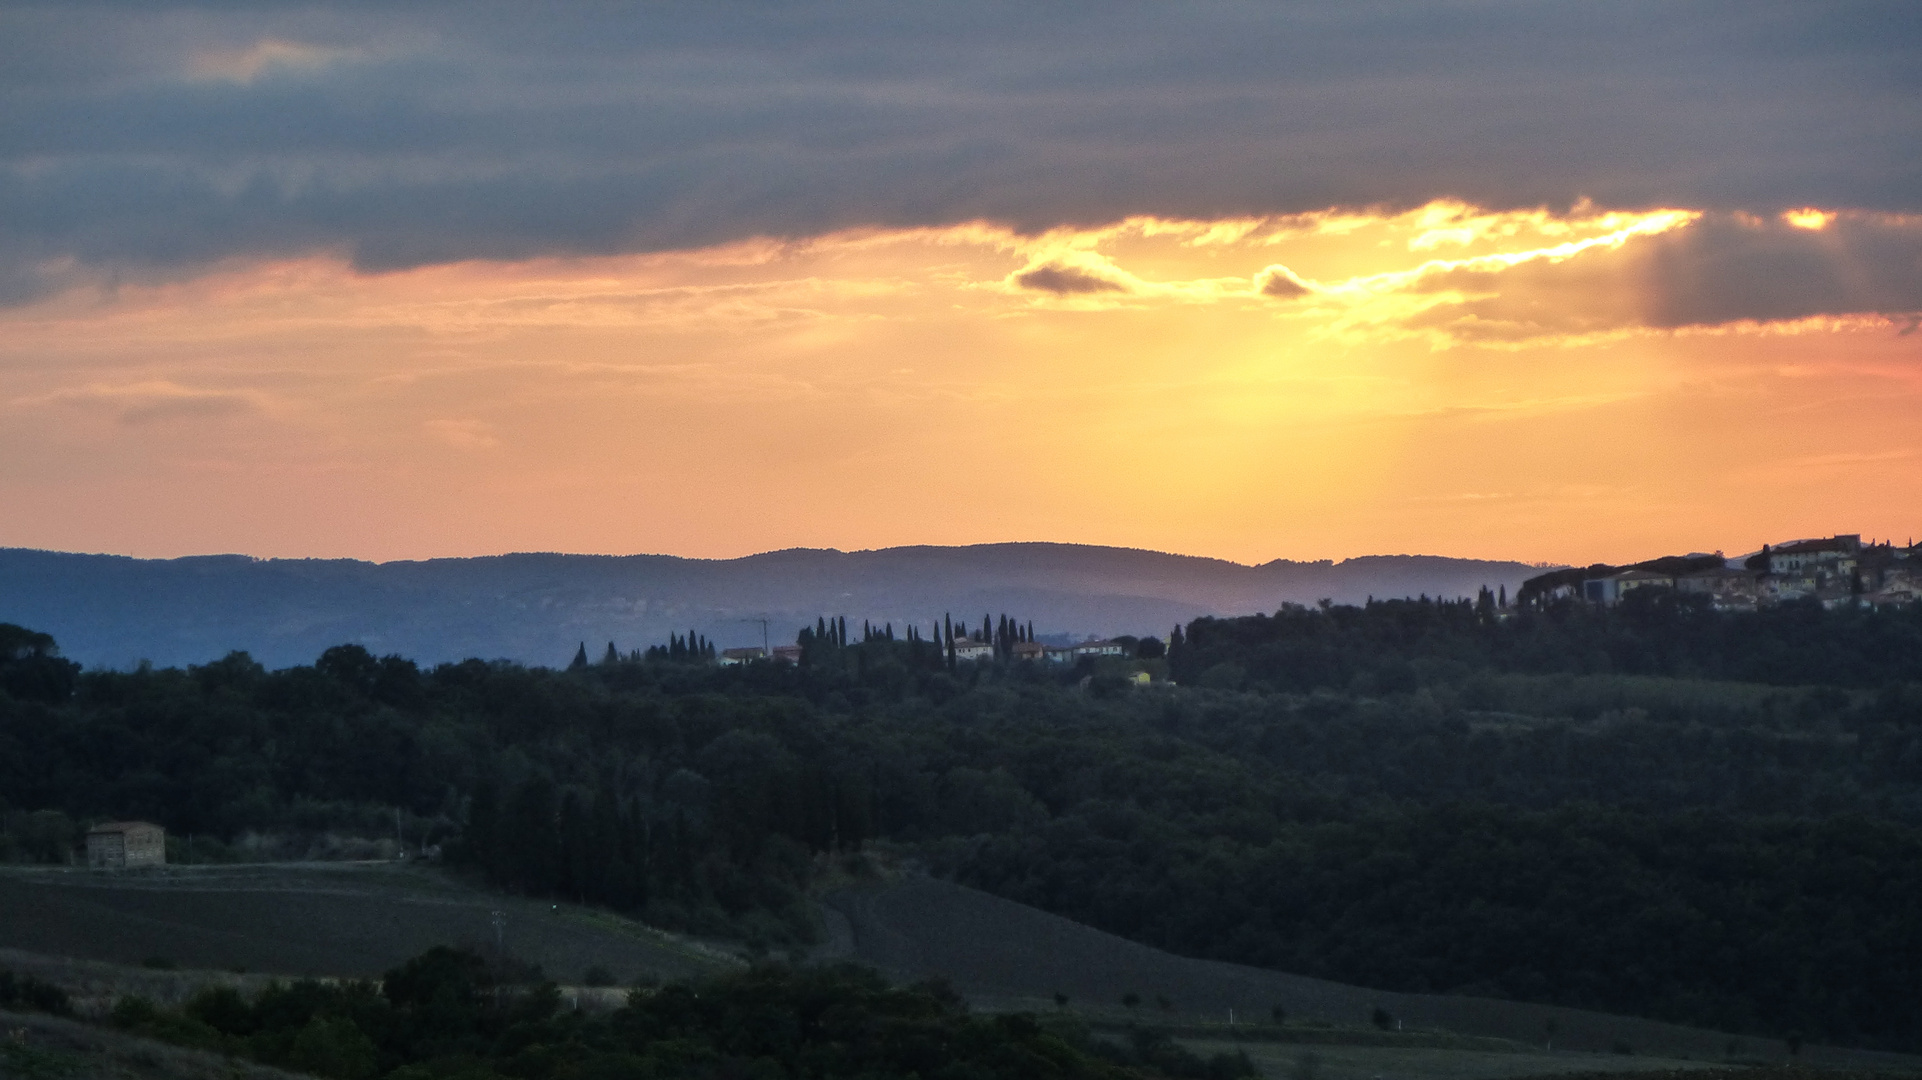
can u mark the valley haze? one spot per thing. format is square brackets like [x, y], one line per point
[115, 611]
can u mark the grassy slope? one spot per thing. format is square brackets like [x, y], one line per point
[34, 1047]
[358, 919]
[319, 919]
[1004, 955]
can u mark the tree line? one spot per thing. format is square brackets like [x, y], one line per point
[454, 1013]
[1416, 796]
[1391, 645]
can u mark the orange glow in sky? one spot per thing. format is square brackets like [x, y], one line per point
[1809, 218]
[1444, 380]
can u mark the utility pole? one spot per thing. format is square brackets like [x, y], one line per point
[766, 651]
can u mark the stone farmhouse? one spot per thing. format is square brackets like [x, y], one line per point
[124, 845]
[781, 654]
[968, 648]
[1072, 653]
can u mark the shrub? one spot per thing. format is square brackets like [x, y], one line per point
[28, 992]
[334, 1047]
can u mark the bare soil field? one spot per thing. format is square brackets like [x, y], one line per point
[1003, 955]
[326, 919]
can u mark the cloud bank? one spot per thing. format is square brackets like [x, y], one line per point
[1718, 269]
[1065, 280]
[152, 139]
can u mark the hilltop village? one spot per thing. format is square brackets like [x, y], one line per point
[1838, 571]
[1009, 639]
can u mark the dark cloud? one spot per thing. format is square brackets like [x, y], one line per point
[152, 135]
[1281, 283]
[1065, 280]
[1723, 268]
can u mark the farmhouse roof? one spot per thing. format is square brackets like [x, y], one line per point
[120, 827]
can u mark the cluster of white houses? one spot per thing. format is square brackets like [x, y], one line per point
[965, 648]
[1837, 571]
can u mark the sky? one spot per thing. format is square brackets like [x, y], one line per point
[1540, 281]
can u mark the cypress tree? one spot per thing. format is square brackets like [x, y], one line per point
[483, 839]
[577, 861]
[532, 855]
[643, 835]
[683, 855]
[607, 871]
[580, 658]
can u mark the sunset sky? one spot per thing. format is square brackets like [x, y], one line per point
[1548, 282]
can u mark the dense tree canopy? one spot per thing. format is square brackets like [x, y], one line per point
[1624, 809]
[450, 1013]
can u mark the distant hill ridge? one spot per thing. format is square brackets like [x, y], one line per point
[115, 610]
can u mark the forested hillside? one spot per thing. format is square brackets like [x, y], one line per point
[1708, 818]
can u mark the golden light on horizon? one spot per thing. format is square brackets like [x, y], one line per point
[1809, 218]
[1443, 380]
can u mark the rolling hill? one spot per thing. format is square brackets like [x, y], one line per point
[114, 611]
[1004, 955]
[330, 919]
[88, 931]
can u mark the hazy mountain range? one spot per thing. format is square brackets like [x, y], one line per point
[114, 611]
